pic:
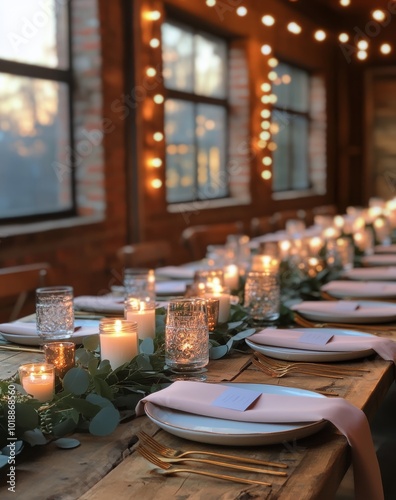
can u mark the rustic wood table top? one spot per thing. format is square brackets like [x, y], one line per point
[109, 467]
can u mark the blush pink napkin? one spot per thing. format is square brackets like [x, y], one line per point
[385, 348]
[196, 397]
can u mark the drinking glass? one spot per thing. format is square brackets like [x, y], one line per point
[187, 338]
[262, 296]
[54, 312]
[139, 283]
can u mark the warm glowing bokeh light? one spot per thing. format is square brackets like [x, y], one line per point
[241, 11]
[266, 174]
[378, 15]
[343, 37]
[320, 35]
[266, 49]
[385, 48]
[294, 28]
[268, 20]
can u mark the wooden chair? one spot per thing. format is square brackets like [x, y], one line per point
[262, 225]
[197, 238]
[20, 281]
[330, 210]
[280, 218]
[147, 254]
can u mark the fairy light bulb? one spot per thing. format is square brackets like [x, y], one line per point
[266, 49]
[343, 37]
[158, 99]
[345, 3]
[266, 174]
[267, 161]
[294, 28]
[266, 87]
[154, 43]
[362, 45]
[265, 113]
[378, 15]
[210, 3]
[268, 20]
[385, 48]
[320, 35]
[273, 62]
[154, 15]
[362, 55]
[158, 136]
[151, 72]
[156, 162]
[156, 183]
[241, 11]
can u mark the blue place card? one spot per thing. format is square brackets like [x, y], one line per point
[235, 398]
[316, 338]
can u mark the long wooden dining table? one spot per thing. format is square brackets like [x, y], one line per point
[110, 467]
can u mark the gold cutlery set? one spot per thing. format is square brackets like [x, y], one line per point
[276, 368]
[163, 458]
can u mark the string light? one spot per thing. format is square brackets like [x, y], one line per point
[273, 62]
[158, 136]
[343, 37]
[156, 162]
[266, 49]
[320, 35]
[266, 174]
[265, 135]
[265, 113]
[154, 15]
[154, 43]
[378, 15]
[385, 48]
[158, 99]
[286, 79]
[266, 87]
[362, 55]
[151, 71]
[268, 20]
[241, 11]
[210, 3]
[267, 161]
[272, 75]
[156, 183]
[294, 28]
[362, 45]
[345, 3]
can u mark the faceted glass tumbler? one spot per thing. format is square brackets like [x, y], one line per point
[139, 283]
[262, 296]
[54, 312]
[187, 338]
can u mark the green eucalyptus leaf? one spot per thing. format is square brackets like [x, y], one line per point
[147, 346]
[65, 427]
[93, 366]
[34, 437]
[143, 362]
[102, 388]
[76, 381]
[84, 407]
[105, 422]
[91, 343]
[218, 352]
[99, 400]
[26, 417]
[67, 443]
[83, 356]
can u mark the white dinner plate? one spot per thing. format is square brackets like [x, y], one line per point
[371, 289]
[330, 311]
[290, 354]
[371, 273]
[385, 249]
[230, 432]
[175, 272]
[90, 327]
[379, 260]
[109, 304]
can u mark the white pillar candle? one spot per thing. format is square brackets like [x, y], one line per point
[38, 380]
[231, 276]
[118, 341]
[142, 313]
[218, 292]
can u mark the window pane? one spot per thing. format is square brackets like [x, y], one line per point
[34, 137]
[34, 32]
[177, 57]
[210, 66]
[211, 142]
[282, 156]
[180, 151]
[292, 88]
[300, 153]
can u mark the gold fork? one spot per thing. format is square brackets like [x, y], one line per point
[279, 373]
[220, 464]
[341, 370]
[165, 451]
[166, 468]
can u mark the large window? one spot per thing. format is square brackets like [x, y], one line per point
[291, 122]
[195, 79]
[35, 93]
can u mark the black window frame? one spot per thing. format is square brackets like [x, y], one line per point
[196, 99]
[283, 111]
[64, 76]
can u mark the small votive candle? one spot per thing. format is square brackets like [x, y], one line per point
[231, 276]
[224, 297]
[38, 380]
[118, 341]
[61, 355]
[265, 263]
[142, 313]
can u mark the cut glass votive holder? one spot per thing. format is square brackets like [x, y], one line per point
[38, 380]
[61, 355]
[262, 297]
[187, 338]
